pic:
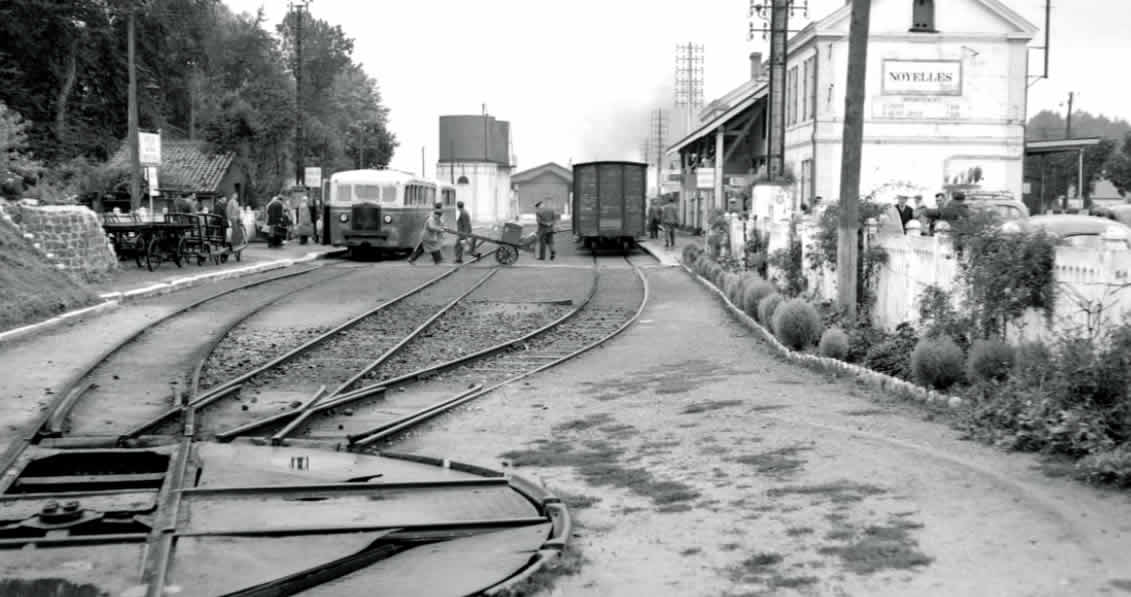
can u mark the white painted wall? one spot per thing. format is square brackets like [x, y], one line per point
[984, 126]
[487, 196]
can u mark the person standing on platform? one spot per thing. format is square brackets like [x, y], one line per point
[671, 220]
[433, 238]
[547, 219]
[655, 216]
[275, 223]
[463, 226]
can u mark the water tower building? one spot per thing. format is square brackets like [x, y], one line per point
[475, 155]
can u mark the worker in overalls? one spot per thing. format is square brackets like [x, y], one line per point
[547, 218]
[671, 220]
[655, 215]
[432, 240]
[276, 222]
[463, 226]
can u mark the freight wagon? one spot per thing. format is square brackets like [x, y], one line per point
[609, 203]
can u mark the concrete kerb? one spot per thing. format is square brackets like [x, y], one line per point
[881, 381]
[112, 300]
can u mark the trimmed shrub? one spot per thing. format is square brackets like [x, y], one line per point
[753, 294]
[989, 360]
[730, 282]
[797, 324]
[767, 306]
[691, 253]
[891, 353]
[834, 344]
[937, 362]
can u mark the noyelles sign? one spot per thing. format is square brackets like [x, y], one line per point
[922, 77]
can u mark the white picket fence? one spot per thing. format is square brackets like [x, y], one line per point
[1093, 284]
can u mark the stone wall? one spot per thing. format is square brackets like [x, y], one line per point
[69, 236]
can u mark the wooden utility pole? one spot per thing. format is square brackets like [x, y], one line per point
[847, 254]
[1068, 116]
[300, 150]
[135, 149]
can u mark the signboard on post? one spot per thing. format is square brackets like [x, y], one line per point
[313, 177]
[149, 148]
[151, 180]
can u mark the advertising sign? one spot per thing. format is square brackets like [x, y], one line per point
[149, 148]
[922, 77]
[151, 179]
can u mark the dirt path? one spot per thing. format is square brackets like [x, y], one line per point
[697, 464]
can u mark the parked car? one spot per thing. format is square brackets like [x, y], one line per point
[1119, 213]
[1003, 206]
[1074, 230]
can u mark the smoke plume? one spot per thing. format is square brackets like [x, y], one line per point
[618, 129]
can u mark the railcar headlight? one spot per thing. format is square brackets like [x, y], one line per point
[388, 219]
[343, 218]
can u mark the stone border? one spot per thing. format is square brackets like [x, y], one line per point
[875, 379]
[113, 300]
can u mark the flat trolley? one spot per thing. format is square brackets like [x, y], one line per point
[510, 244]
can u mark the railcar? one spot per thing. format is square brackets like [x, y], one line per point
[609, 203]
[383, 211]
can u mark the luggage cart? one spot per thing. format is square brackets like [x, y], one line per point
[508, 246]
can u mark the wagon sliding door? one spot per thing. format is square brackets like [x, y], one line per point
[585, 214]
[610, 190]
[634, 199]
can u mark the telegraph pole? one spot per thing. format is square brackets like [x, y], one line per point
[659, 130]
[1068, 116]
[853, 141]
[300, 149]
[689, 81]
[779, 12]
[135, 149]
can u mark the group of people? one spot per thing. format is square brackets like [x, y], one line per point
[666, 218]
[432, 237]
[947, 211]
[279, 221]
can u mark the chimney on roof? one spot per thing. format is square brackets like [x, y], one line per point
[755, 65]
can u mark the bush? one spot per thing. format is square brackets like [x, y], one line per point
[729, 287]
[691, 253]
[989, 360]
[767, 306]
[890, 354]
[834, 344]
[937, 362]
[753, 294]
[702, 264]
[797, 324]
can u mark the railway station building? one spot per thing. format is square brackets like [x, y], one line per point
[945, 104]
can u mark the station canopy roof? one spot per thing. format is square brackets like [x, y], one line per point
[1059, 145]
[753, 91]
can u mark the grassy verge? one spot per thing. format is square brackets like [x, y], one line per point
[31, 289]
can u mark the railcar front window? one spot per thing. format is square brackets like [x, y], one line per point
[368, 192]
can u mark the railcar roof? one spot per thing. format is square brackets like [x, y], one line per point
[392, 176]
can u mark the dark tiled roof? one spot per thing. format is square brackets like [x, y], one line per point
[186, 166]
[550, 167]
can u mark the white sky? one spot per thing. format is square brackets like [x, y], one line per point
[579, 79]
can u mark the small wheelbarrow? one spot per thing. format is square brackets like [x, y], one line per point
[509, 245]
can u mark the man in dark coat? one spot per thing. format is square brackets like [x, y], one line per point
[275, 223]
[432, 238]
[905, 213]
[655, 215]
[547, 219]
[463, 226]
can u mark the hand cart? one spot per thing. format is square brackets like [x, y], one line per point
[151, 242]
[509, 245]
[215, 244]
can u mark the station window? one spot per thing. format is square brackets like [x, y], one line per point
[431, 194]
[462, 180]
[923, 16]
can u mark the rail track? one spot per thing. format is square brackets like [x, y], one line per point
[362, 401]
[378, 403]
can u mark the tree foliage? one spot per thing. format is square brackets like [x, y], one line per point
[203, 72]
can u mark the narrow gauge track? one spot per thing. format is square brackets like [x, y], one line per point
[90, 389]
[362, 416]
